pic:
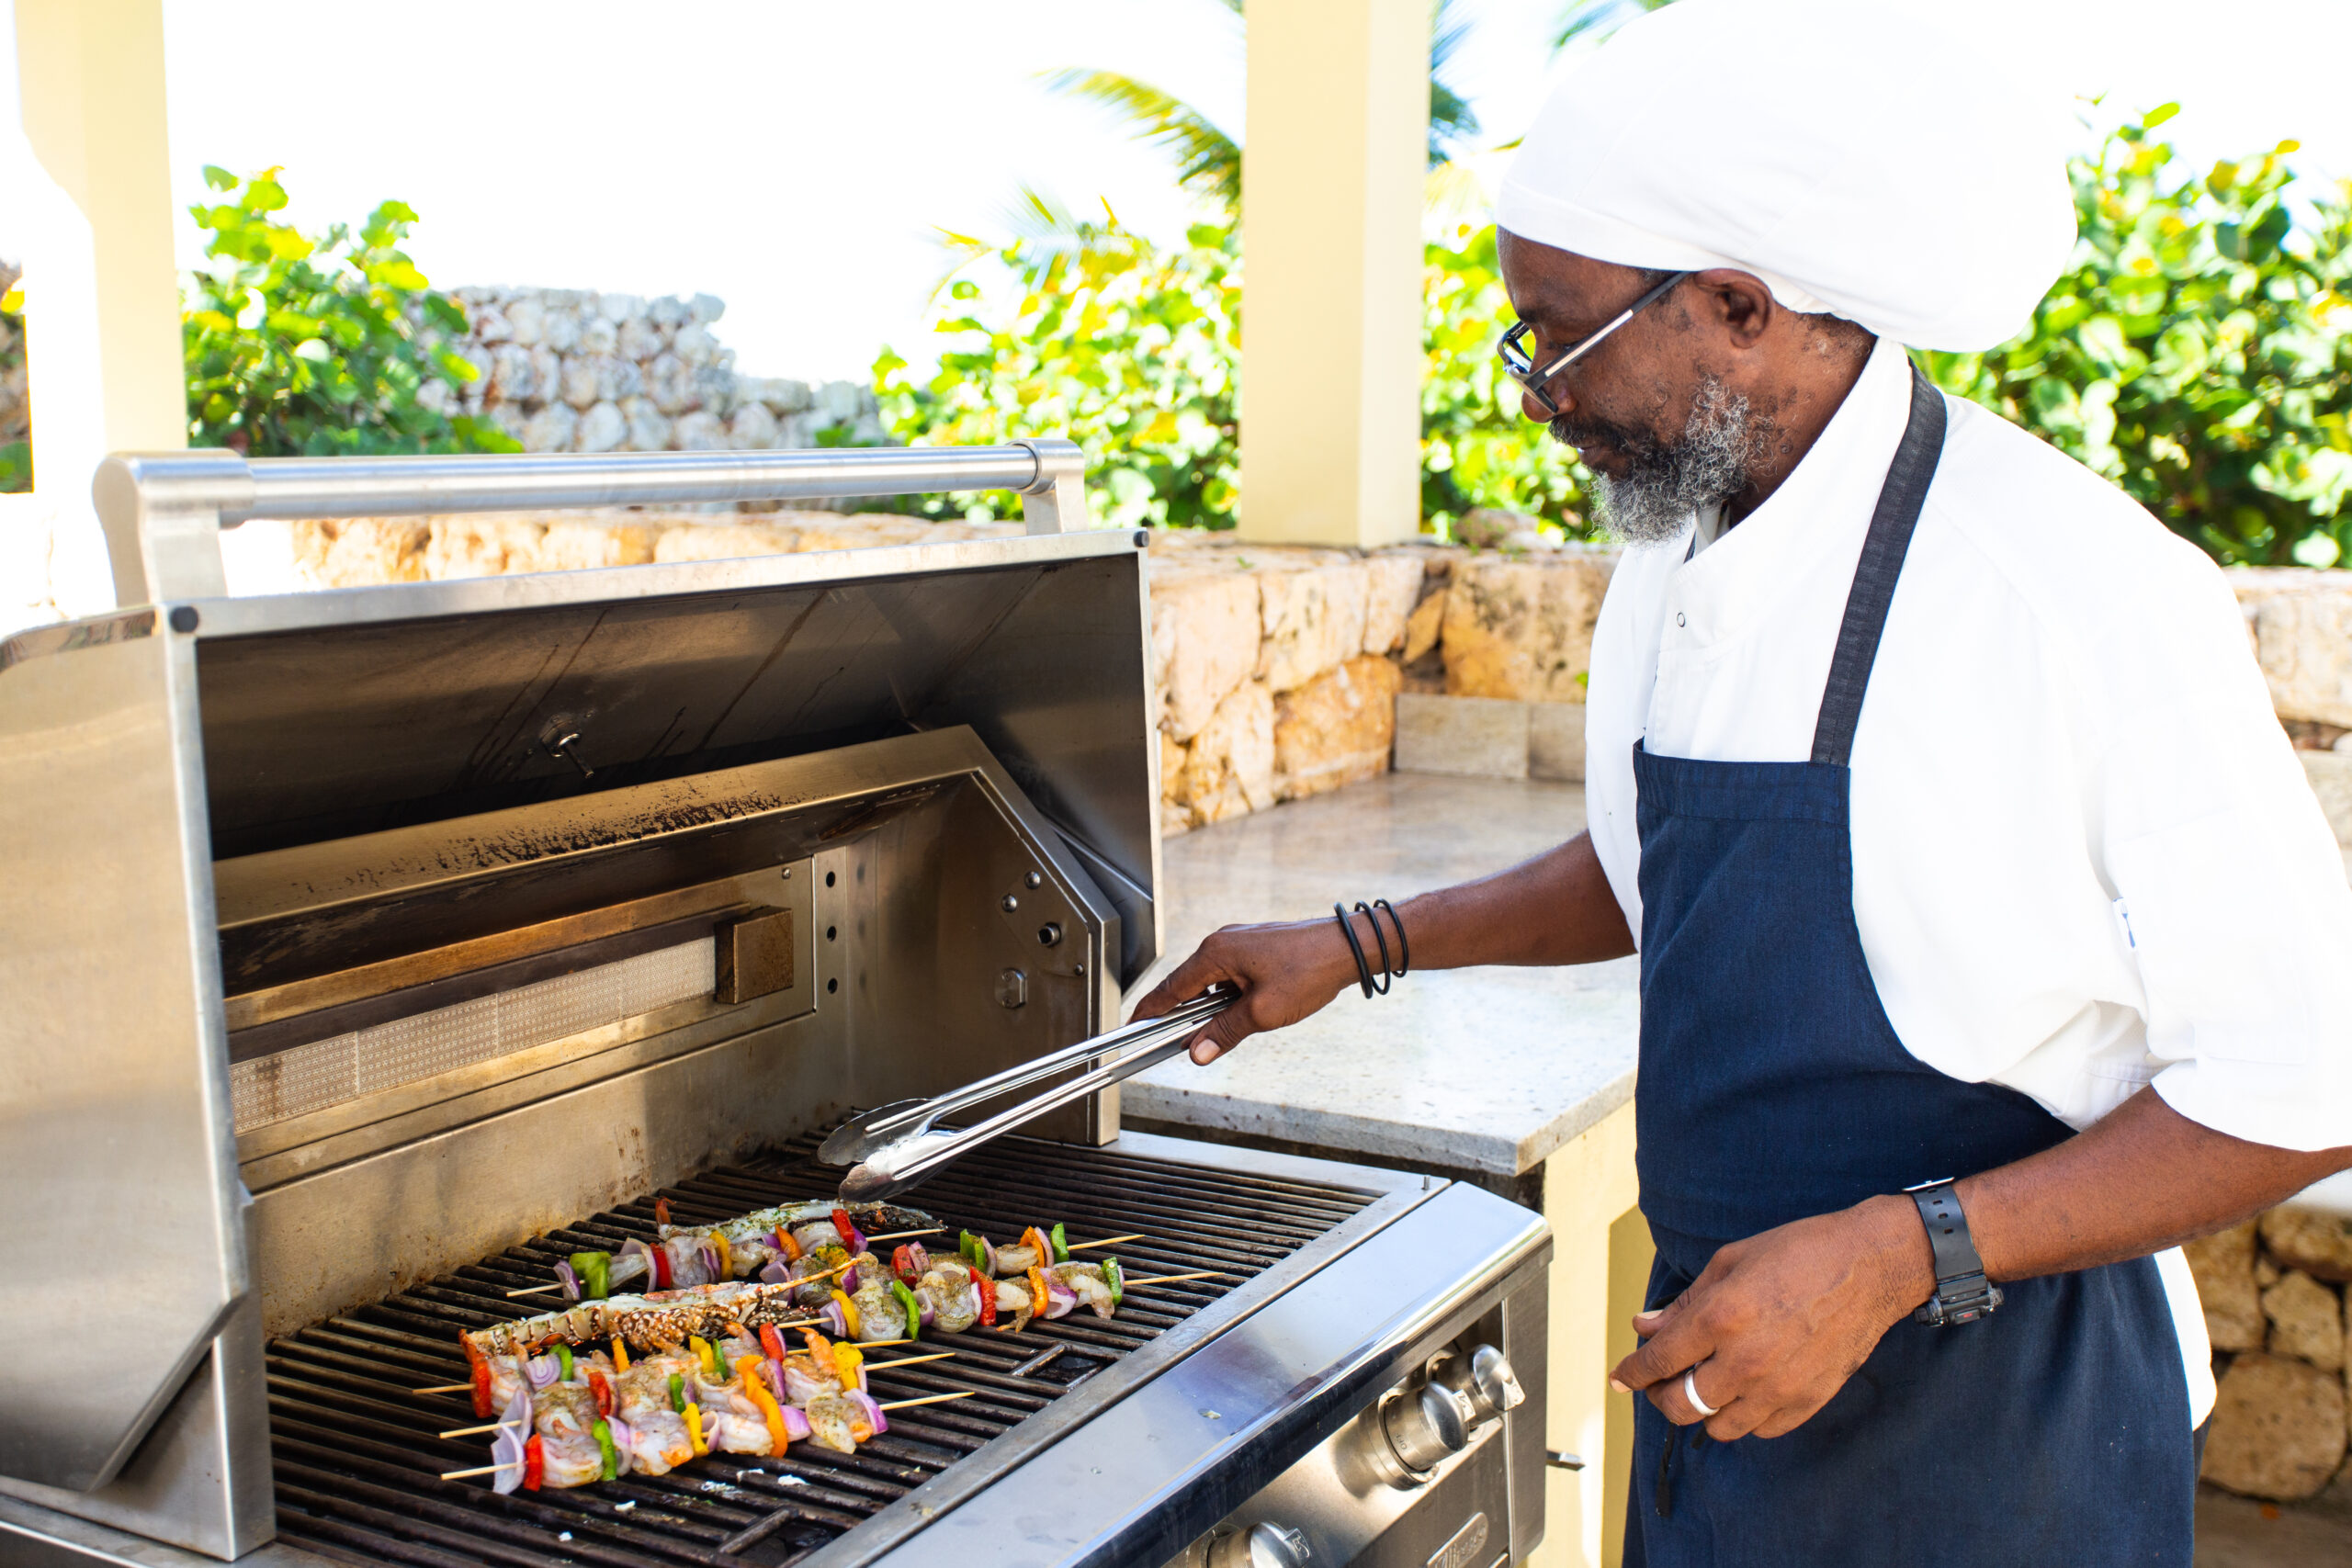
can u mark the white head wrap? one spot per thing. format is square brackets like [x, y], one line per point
[1856, 155]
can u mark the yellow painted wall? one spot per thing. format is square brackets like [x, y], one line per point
[1332, 283]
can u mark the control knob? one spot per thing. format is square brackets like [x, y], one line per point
[1261, 1546]
[1425, 1429]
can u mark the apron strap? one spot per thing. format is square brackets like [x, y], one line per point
[1874, 590]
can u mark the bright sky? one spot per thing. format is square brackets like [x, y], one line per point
[791, 157]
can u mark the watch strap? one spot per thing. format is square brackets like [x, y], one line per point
[1961, 1293]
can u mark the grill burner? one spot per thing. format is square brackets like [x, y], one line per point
[358, 1468]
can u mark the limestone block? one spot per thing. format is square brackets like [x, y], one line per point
[669, 313]
[2317, 1242]
[1336, 730]
[2278, 1428]
[701, 541]
[2302, 621]
[511, 377]
[649, 429]
[560, 327]
[482, 546]
[526, 320]
[1172, 771]
[698, 432]
[547, 373]
[506, 418]
[583, 375]
[640, 340]
[553, 429]
[2306, 1321]
[752, 429]
[706, 307]
[620, 308]
[1230, 767]
[2266, 1273]
[694, 344]
[671, 384]
[1422, 628]
[1522, 628]
[2223, 1264]
[433, 393]
[602, 429]
[840, 402]
[597, 334]
[576, 546]
[617, 378]
[487, 323]
[831, 531]
[1311, 621]
[1205, 643]
[359, 552]
[1482, 738]
[2330, 777]
[1393, 587]
[782, 395]
[1556, 741]
[713, 388]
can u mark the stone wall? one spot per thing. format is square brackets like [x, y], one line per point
[571, 370]
[2274, 1294]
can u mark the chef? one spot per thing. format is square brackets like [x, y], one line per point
[1992, 942]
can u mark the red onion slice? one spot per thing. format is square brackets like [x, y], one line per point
[541, 1370]
[834, 1323]
[796, 1422]
[570, 1281]
[873, 1412]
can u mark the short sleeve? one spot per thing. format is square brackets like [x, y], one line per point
[2229, 882]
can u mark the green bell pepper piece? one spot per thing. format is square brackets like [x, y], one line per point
[1112, 1278]
[911, 1307]
[563, 1360]
[604, 1451]
[595, 1271]
[1060, 1238]
[678, 1393]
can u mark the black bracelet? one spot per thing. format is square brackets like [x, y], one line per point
[1391, 969]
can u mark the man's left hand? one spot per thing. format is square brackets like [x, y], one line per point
[1776, 1324]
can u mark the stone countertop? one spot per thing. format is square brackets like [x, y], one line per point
[1485, 1071]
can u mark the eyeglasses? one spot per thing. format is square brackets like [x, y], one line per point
[1528, 374]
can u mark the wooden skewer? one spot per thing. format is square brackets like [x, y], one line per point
[1172, 1279]
[478, 1470]
[877, 1365]
[1106, 1241]
[536, 1290]
[470, 1431]
[557, 1285]
[926, 1399]
[902, 1236]
[445, 1388]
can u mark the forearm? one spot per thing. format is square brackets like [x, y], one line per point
[2142, 1178]
[1555, 908]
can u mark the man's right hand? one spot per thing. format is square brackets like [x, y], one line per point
[1285, 972]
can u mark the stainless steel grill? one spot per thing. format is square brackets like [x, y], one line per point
[358, 1466]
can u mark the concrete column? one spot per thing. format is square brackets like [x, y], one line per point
[1600, 1264]
[102, 319]
[1331, 187]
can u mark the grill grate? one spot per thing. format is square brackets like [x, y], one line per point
[358, 1468]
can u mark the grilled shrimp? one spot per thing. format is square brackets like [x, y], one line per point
[1086, 1278]
[879, 1315]
[657, 1435]
[838, 1422]
[731, 1422]
[948, 1293]
[1013, 1300]
[565, 1415]
[1017, 1260]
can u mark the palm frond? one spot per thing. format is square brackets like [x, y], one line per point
[1597, 18]
[1452, 119]
[1208, 160]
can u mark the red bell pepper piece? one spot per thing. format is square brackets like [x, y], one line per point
[602, 1388]
[661, 1211]
[479, 1370]
[661, 1275]
[535, 1463]
[786, 1244]
[903, 1263]
[851, 1238]
[988, 1297]
[771, 1342]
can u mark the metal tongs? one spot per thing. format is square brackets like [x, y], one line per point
[895, 1147]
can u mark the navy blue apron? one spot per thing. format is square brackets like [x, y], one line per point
[1772, 1087]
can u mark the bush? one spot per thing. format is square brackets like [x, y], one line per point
[2197, 351]
[322, 347]
[1099, 335]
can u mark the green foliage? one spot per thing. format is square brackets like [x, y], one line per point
[319, 346]
[1091, 331]
[1477, 449]
[15, 409]
[2197, 351]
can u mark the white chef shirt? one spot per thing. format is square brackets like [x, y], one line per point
[2085, 858]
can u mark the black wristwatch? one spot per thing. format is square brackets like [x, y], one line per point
[1962, 1294]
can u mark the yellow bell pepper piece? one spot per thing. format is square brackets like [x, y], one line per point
[849, 1313]
[726, 1257]
[694, 1429]
[620, 1355]
[847, 1359]
[706, 1355]
[755, 1383]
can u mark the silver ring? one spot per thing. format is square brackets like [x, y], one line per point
[1691, 1393]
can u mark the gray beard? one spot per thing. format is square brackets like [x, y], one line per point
[1714, 460]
